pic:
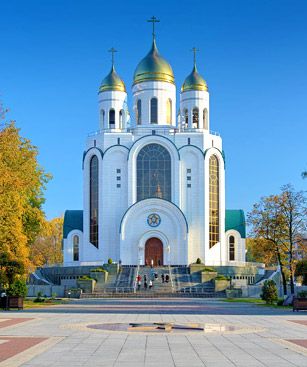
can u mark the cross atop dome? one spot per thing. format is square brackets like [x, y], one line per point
[112, 50]
[194, 50]
[153, 20]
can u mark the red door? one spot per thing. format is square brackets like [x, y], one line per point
[154, 252]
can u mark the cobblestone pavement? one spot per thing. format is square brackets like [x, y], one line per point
[59, 336]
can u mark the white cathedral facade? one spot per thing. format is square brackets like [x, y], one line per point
[154, 185]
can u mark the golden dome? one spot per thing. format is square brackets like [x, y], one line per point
[194, 81]
[112, 82]
[153, 67]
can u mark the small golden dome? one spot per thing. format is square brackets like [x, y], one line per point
[153, 67]
[194, 81]
[112, 82]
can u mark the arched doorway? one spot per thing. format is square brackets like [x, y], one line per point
[154, 251]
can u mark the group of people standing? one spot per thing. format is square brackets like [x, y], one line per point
[153, 277]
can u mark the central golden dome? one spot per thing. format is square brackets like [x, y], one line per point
[153, 67]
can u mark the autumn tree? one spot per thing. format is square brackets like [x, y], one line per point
[277, 222]
[47, 248]
[22, 184]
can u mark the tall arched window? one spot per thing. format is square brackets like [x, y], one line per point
[94, 194]
[154, 173]
[102, 117]
[154, 111]
[186, 119]
[112, 119]
[169, 111]
[121, 119]
[75, 242]
[214, 201]
[195, 118]
[231, 248]
[205, 118]
[139, 112]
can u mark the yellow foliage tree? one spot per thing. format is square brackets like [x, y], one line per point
[22, 182]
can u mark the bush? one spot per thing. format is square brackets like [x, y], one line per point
[98, 270]
[269, 292]
[209, 270]
[301, 270]
[85, 277]
[198, 261]
[302, 294]
[110, 261]
[17, 289]
[280, 302]
[222, 277]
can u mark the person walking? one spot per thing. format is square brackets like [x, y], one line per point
[145, 285]
[150, 284]
[139, 285]
[162, 277]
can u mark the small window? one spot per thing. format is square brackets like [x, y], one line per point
[186, 119]
[112, 119]
[118, 178]
[189, 170]
[154, 111]
[231, 248]
[195, 118]
[188, 185]
[189, 178]
[118, 170]
[139, 112]
[118, 185]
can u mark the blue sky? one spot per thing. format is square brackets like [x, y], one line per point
[253, 55]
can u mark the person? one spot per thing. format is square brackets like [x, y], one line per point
[166, 278]
[138, 278]
[156, 275]
[150, 284]
[145, 278]
[145, 284]
[151, 263]
[139, 285]
[162, 277]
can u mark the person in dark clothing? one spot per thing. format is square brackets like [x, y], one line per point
[162, 277]
[145, 284]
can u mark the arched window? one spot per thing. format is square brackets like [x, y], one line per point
[121, 119]
[169, 111]
[154, 173]
[186, 119]
[94, 194]
[214, 201]
[102, 117]
[154, 111]
[139, 112]
[205, 118]
[195, 118]
[75, 242]
[231, 248]
[112, 119]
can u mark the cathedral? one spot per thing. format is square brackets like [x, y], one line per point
[154, 181]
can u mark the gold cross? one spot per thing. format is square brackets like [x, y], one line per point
[112, 50]
[194, 49]
[153, 20]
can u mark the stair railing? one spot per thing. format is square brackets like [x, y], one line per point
[136, 278]
[170, 276]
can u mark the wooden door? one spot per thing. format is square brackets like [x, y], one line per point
[154, 251]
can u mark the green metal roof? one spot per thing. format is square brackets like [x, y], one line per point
[73, 219]
[235, 219]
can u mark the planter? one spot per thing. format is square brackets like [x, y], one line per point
[112, 269]
[12, 302]
[197, 268]
[100, 276]
[299, 304]
[221, 285]
[87, 285]
[207, 276]
[233, 293]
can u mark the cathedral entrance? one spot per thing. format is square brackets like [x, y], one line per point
[154, 252]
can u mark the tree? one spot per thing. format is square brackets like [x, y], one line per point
[269, 292]
[260, 250]
[301, 270]
[47, 248]
[22, 183]
[279, 220]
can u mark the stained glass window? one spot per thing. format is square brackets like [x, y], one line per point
[76, 248]
[214, 201]
[154, 173]
[94, 170]
[231, 248]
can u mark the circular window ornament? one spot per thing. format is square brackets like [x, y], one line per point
[153, 220]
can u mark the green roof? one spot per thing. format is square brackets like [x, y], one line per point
[235, 219]
[73, 219]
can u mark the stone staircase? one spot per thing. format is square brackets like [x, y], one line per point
[158, 285]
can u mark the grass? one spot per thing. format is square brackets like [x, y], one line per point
[29, 303]
[255, 301]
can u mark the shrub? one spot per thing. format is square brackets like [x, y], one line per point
[18, 288]
[221, 277]
[302, 294]
[198, 261]
[301, 270]
[110, 261]
[269, 292]
[209, 270]
[98, 270]
[39, 297]
[85, 277]
[280, 302]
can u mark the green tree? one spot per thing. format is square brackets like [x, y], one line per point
[269, 292]
[301, 270]
[22, 184]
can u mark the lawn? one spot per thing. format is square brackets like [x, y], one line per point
[255, 301]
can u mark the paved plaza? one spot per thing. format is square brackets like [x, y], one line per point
[236, 334]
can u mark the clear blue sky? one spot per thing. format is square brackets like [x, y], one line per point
[253, 54]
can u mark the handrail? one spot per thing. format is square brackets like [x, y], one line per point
[170, 276]
[136, 277]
